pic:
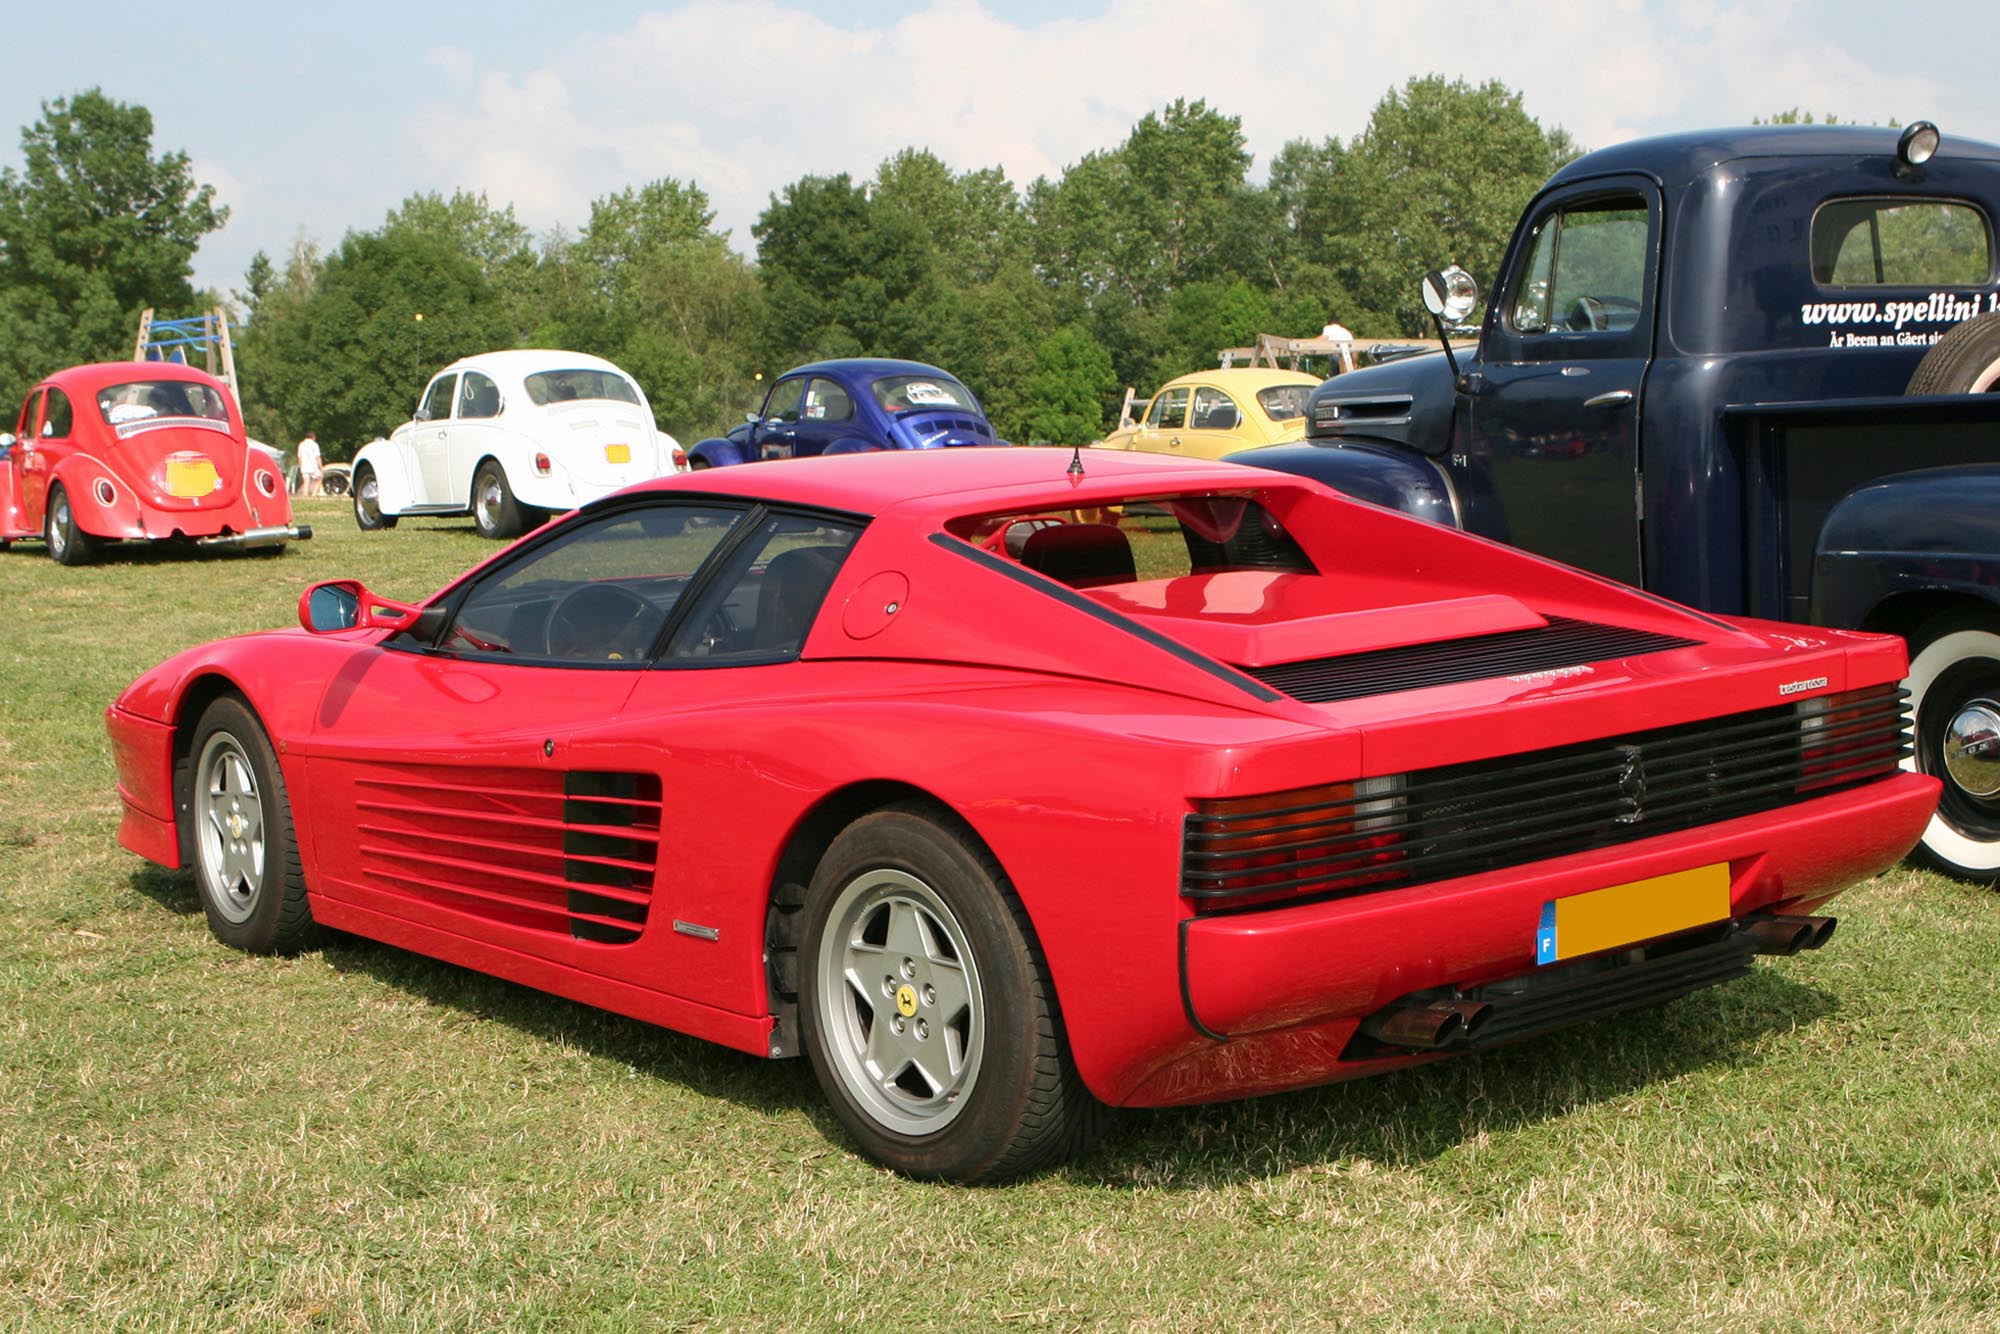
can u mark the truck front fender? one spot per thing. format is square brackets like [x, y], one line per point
[1932, 532]
[1383, 474]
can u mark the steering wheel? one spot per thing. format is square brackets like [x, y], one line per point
[1589, 314]
[601, 623]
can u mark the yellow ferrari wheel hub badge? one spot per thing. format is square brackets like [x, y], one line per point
[906, 1000]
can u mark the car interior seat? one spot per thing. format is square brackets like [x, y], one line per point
[1082, 555]
[794, 584]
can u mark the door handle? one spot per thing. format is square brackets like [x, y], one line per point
[1617, 398]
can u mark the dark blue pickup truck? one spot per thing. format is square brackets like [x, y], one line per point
[1751, 370]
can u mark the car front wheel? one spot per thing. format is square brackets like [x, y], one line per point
[495, 512]
[927, 1011]
[368, 515]
[67, 543]
[1954, 685]
[246, 860]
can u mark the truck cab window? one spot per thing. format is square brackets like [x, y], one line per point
[1900, 243]
[1587, 272]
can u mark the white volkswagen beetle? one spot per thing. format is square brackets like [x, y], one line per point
[512, 437]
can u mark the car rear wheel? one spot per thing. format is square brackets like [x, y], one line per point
[1954, 685]
[927, 1011]
[239, 828]
[495, 512]
[1965, 361]
[368, 515]
[67, 543]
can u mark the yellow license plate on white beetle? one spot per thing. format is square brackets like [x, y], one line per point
[190, 477]
[1604, 919]
[618, 453]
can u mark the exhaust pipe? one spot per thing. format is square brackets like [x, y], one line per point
[1787, 935]
[1427, 1025]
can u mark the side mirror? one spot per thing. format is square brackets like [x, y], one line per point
[423, 415]
[1450, 294]
[752, 417]
[346, 604]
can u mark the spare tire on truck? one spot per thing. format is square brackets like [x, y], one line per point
[1964, 361]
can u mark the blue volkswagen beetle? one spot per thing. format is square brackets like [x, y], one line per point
[852, 406]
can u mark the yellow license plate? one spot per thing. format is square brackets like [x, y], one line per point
[1604, 919]
[190, 477]
[618, 453]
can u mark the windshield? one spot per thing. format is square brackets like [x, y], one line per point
[1282, 402]
[545, 387]
[922, 393]
[143, 403]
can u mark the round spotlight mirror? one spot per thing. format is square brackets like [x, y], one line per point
[1450, 294]
[1918, 143]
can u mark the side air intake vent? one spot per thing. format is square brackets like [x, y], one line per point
[571, 853]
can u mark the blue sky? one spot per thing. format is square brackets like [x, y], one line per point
[318, 120]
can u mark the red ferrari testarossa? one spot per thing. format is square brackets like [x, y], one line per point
[1007, 793]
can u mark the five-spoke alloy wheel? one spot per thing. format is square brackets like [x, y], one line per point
[927, 1009]
[239, 832]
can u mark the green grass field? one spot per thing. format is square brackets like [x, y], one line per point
[360, 1138]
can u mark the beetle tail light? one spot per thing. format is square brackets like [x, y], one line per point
[680, 459]
[542, 464]
[106, 493]
[267, 482]
[1261, 851]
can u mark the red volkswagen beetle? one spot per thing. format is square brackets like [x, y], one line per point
[1199, 782]
[138, 450]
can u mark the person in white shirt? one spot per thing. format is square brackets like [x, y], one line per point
[310, 468]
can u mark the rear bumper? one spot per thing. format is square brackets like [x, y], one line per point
[1276, 996]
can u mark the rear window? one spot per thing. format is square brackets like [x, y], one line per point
[922, 393]
[546, 387]
[1900, 243]
[1282, 402]
[142, 402]
[1144, 540]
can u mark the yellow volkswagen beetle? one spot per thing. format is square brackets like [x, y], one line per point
[1212, 413]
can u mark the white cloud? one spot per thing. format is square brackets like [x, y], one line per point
[744, 97]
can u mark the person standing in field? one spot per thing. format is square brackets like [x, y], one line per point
[311, 470]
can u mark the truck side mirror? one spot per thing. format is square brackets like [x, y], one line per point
[1450, 294]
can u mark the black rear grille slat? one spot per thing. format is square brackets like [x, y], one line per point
[1464, 819]
[1560, 643]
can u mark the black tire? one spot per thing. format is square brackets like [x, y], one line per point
[67, 543]
[954, 1065]
[334, 484]
[1954, 686]
[368, 515]
[238, 833]
[495, 512]
[1964, 361]
[698, 464]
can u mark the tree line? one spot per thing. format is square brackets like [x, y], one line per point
[1134, 265]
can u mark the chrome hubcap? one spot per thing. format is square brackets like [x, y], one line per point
[229, 827]
[489, 504]
[900, 993]
[1972, 748]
